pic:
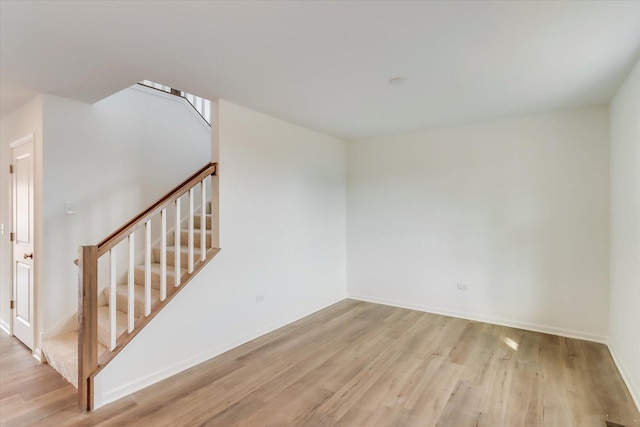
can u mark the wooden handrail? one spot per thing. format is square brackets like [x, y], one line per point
[138, 221]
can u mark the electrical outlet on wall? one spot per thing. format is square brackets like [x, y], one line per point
[461, 287]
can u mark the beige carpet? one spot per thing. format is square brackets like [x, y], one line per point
[61, 352]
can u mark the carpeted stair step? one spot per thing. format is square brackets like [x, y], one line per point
[104, 331]
[197, 222]
[61, 353]
[184, 255]
[122, 298]
[184, 237]
[155, 272]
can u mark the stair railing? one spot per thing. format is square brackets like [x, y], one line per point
[89, 361]
[201, 105]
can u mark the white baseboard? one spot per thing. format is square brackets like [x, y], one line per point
[67, 324]
[37, 354]
[140, 383]
[5, 327]
[635, 394]
[486, 319]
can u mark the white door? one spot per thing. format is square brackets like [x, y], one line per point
[22, 201]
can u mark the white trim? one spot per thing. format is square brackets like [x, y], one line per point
[635, 394]
[4, 326]
[37, 354]
[67, 324]
[140, 383]
[35, 306]
[486, 319]
[22, 141]
[174, 98]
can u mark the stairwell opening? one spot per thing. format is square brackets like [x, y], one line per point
[138, 275]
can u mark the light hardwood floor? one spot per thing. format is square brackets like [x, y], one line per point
[353, 364]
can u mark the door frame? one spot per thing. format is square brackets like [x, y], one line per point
[34, 297]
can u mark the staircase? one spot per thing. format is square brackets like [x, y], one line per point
[109, 319]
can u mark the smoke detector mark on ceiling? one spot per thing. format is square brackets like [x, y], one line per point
[397, 81]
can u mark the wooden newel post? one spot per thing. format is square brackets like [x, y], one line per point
[87, 324]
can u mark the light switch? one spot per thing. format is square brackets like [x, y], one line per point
[69, 208]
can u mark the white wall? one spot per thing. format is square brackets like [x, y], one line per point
[624, 332]
[22, 122]
[111, 160]
[515, 209]
[282, 232]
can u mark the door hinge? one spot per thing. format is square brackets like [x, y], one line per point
[12, 236]
[10, 168]
[12, 305]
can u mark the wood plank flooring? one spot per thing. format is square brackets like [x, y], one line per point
[353, 364]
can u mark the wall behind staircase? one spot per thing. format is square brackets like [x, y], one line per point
[111, 160]
[283, 237]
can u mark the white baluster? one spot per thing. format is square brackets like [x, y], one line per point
[207, 110]
[163, 255]
[203, 222]
[214, 214]
[177, 243]
[131, 283]
[190, 253]
[112, 299]
[147, 270]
